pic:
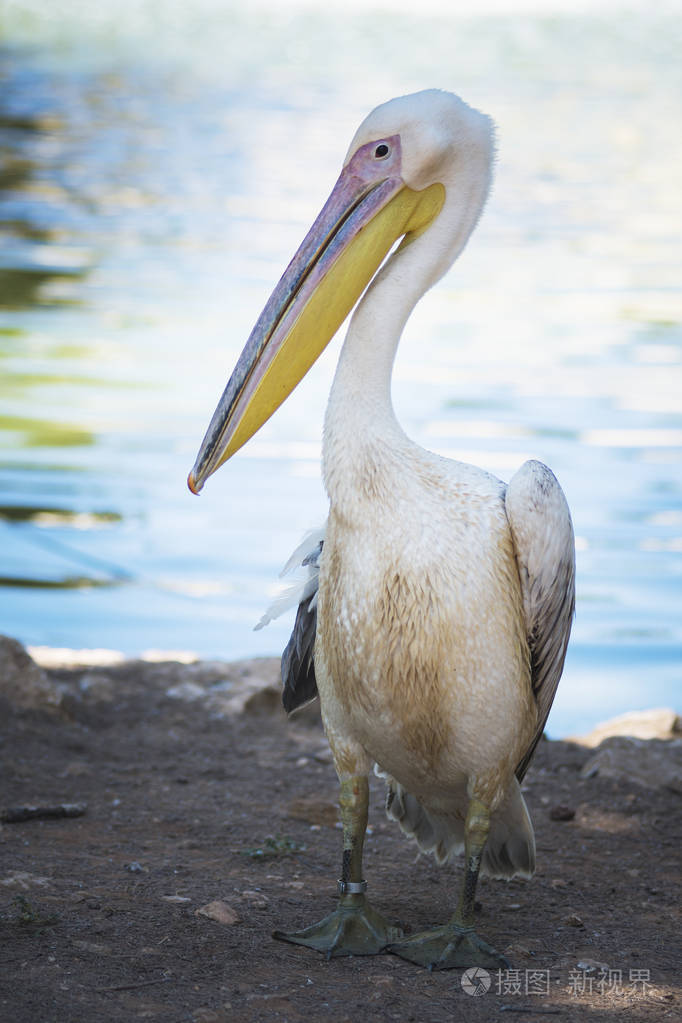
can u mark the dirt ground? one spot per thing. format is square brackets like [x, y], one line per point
[189, 805]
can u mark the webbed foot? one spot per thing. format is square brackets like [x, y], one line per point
[355, 928]
[448, 947]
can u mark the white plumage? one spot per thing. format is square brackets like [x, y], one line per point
[445, 598]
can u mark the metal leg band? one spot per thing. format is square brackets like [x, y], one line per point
[351, 887]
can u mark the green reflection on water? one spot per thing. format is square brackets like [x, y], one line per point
[22, 287]
[72, 351]
[556, 432]
[13, 382]
[31, 185]
[55, 468]
[24, 229]
[39, 433]
[55, 516]
[68, 583]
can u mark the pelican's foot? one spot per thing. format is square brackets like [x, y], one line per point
[448, 947]
[353, 929]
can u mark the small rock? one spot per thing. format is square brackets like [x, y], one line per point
[91, 946]
[187, 691]
[76, 769]
[176, 900]
[22, 682]
[381, 986]
[561, 812]
[591, 965]
[226, 690]
[24, 881]
[219, 911]
[518, 952]
[659, 723]
[266, 700]
[573, 920]
[255, 899]
[651, 763]
[97, 687]
[135, 868]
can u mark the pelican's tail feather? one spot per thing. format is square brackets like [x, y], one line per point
[438, 834]
[509, 851]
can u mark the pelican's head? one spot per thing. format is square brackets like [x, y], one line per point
[406, 155]
[440, 137]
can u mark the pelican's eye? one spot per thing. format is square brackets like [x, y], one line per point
[381, 151]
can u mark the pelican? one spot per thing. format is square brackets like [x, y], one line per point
[440, 601]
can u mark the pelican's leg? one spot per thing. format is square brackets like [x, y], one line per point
[355, 927]
[456, 943]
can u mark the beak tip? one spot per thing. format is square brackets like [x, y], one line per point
[192, 484]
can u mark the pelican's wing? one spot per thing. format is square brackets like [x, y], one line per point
[298, 664]
[545, 553]
[306, 553]
[298, 667]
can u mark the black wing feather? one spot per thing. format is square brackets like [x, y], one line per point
[298, 663]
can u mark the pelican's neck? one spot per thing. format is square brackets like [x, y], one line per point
[360, 406]
[362, 435]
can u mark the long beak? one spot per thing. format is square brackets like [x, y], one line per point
[369, 208]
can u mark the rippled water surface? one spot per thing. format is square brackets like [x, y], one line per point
[159, 166]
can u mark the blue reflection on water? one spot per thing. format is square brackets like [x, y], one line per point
[147, 206]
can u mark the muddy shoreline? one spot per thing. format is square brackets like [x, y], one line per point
[210, 820]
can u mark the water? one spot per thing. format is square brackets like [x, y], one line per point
[161, 162]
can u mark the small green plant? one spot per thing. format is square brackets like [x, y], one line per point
[274, 845]
[28, 916]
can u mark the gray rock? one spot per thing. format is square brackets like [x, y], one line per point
[22, 682]
[658, 723]
[23, 881]
[230, 689]
[97, 686]
[650, 763]
[219, 911]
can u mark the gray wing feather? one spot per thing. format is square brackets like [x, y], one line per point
[298, 665]
[545, 553]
